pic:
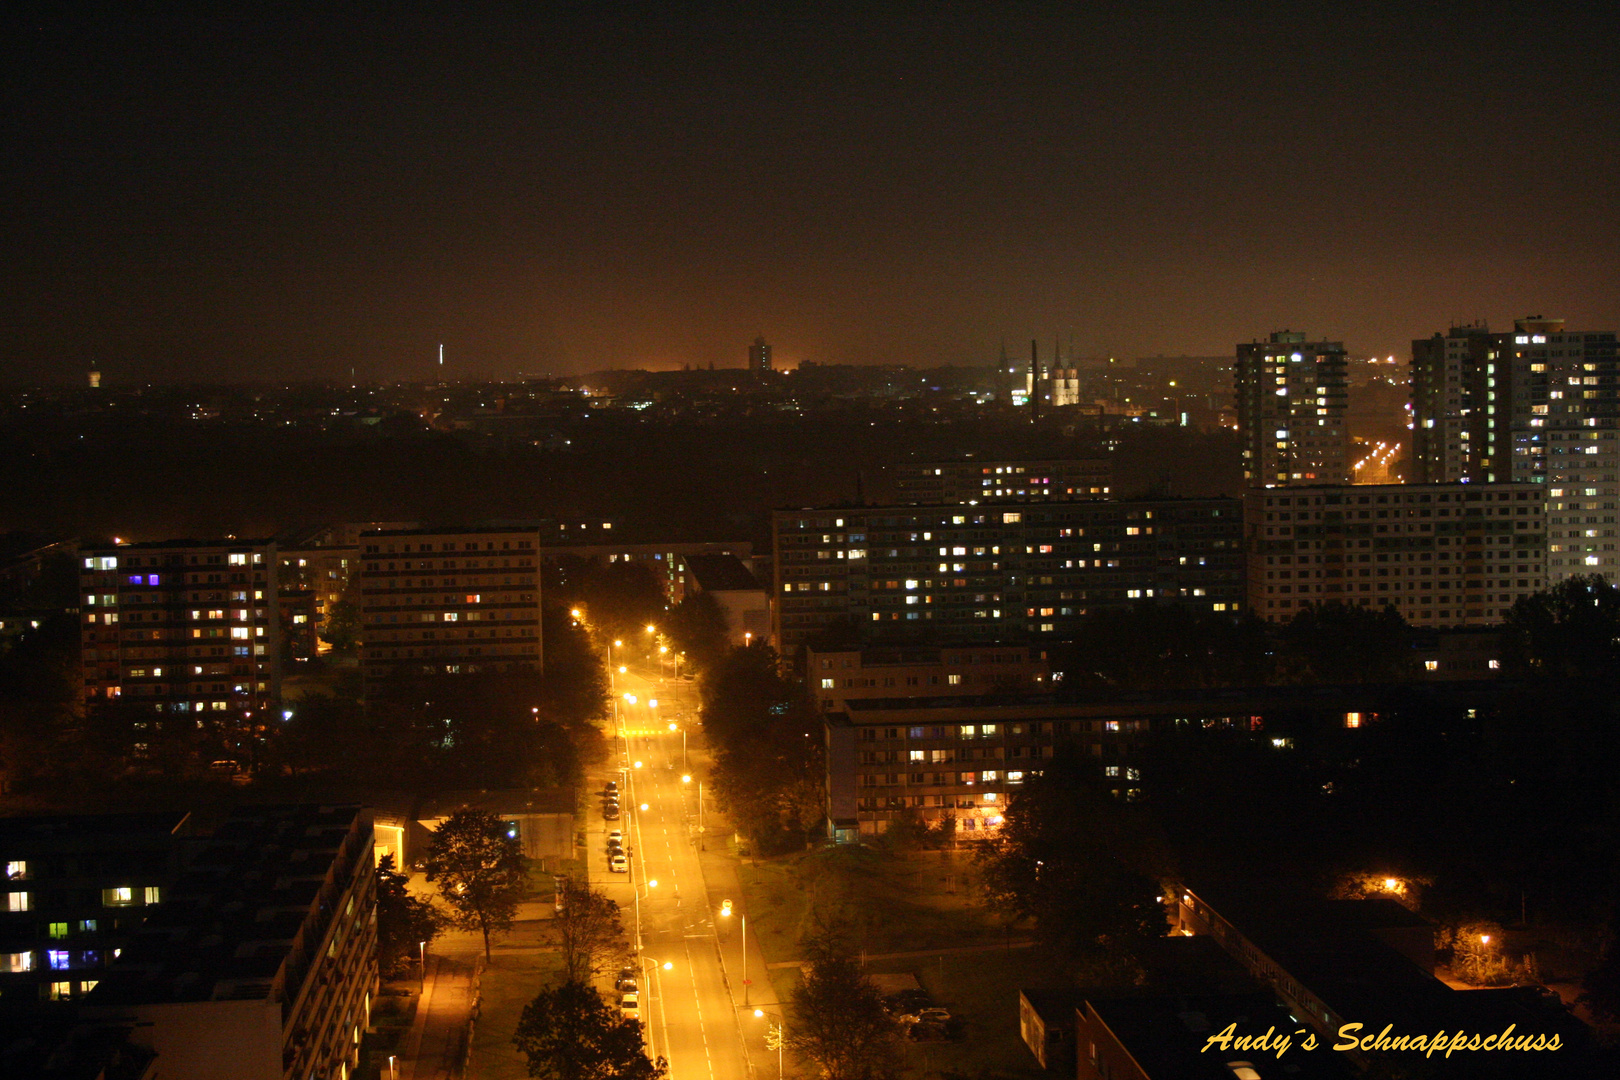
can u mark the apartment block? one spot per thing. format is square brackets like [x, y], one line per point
[262, 963]
[449, 601]
[1443, 555]
[957, 574]
[186, 627]
[74, 892]
[1292, 400]
[924, 671]
[971, 482]
[1539, 405]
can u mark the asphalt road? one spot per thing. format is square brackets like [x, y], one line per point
[687, 1008]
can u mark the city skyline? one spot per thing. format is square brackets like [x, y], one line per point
[290, 196]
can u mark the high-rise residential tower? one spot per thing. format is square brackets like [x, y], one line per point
[1291, 404]
[1538, 405]
[759, 355]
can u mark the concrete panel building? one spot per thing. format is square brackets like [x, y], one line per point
[1442, 554]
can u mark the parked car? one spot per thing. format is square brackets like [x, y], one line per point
[616, 835]
[618, 863]
[614, 843]
[611, 811]
[630, 1005]
[626, 980]
[612, 788]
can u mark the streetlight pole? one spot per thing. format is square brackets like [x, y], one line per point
[745, 958]
[421, 952]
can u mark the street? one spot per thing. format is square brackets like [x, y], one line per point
[691, 955]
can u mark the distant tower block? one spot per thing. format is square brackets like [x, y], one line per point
[759, 355]
[95, 380]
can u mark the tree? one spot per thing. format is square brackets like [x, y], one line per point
[570, 1033]
[480, 871]
[1570, 630]
[699, 628]
[838, 1017]
[590, 933]
[1082, 864]
[1337, 643]
[341, 629]
[403, 921]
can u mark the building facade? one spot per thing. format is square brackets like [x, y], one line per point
[263, 963]
[184, 627]
[75, 889]
[920, 671]
[759, 355]
[446, 601]
[1462, 407]
[1005, 574]
[1292, 404]
[970, 482]
[1441, 554]
[1540, 405]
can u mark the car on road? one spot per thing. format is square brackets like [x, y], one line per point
[611, 811]
[630, 1005]
[612, 789]
[618, 863]
[614, 844]
[617, 835]
[626, 980]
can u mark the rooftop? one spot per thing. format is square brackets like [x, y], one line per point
[243, 917]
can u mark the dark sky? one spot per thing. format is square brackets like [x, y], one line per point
[243, 191]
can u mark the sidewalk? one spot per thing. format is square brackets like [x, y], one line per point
[436, 1047]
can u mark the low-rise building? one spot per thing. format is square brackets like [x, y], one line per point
[745, 602]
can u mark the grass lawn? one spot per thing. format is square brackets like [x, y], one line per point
[891, 902]
[511, 979]
[905, 902]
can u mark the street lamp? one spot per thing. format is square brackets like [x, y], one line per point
[421, 952]
[773, 1037]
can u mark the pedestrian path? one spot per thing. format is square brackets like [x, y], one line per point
[436, 1048]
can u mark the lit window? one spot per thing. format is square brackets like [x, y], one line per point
[153, 894]
[19, 901]
[59, 930]
[16, 871]
[17, 961]
[118, 897]
[1431, 665]
[61, 991]
[238, 559]
[58, 959]
[1352, 719]
[828, 684]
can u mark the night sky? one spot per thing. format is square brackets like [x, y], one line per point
[243, 191]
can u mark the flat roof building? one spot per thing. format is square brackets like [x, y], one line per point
[185, 628]
[1442, 555]
[1002, 573]
[1292, 402]
[261, 964]
[449, 601]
